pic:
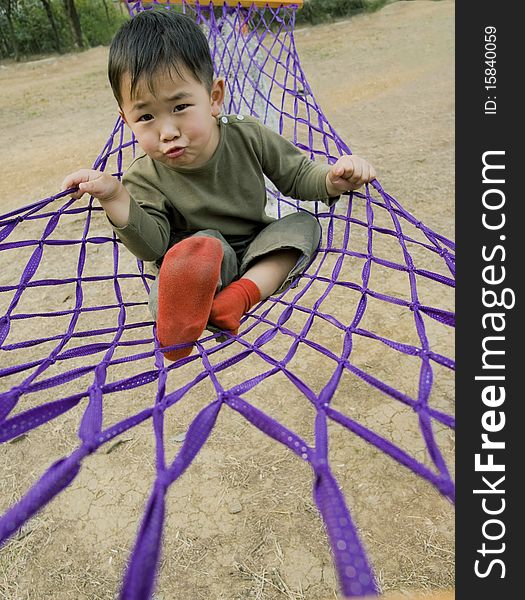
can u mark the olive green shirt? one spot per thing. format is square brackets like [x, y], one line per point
[227, 193]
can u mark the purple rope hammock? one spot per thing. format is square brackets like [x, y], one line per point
[74, 250]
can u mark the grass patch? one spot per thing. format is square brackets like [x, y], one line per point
[325, 11]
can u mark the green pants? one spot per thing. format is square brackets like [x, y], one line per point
[298, 230]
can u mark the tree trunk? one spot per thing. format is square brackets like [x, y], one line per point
[7, 6]
[104, 2]
[52, 22]
[72, 14]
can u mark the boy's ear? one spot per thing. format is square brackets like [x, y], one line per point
[217, 96]
[122, 116]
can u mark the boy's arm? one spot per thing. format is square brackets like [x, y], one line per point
[295, 175]
[113, 196]
[144, 229]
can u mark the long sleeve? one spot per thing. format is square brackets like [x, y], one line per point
[147, 233]
[291, 171]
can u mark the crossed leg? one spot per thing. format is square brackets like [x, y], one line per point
[261, 280]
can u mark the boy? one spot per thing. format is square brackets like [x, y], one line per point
[195, 200]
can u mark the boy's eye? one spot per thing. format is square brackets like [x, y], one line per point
[146, 117]
[180, 107]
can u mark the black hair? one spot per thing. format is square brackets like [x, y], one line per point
[156, 40]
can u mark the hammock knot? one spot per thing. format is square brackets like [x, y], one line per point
[319, 465]
[8, 401]
[419, 407]
[5, 324]
[228, 398]
[163, 479]
[446, 487]
[422, 354]
[90, 446]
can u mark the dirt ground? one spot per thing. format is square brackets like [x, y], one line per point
[241, 522]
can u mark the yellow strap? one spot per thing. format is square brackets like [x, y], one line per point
[246, 3]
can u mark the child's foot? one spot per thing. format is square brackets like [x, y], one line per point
[232, 303]
[187, 283]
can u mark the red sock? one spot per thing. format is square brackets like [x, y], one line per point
[187, 283]
[232, 303]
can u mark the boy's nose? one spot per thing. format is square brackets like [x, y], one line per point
[169, 132]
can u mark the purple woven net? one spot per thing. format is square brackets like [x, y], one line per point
[93, 336]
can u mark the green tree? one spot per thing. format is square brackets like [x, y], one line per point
[318, 11]
[7, 9]
[51, 17]
[104, 2]
[72, 14]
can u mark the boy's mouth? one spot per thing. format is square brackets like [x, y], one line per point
[174, 152]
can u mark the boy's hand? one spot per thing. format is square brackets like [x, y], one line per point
[349, 173]
[112, 195]
[96, 183]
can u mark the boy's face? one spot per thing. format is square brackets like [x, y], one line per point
[176, 124]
